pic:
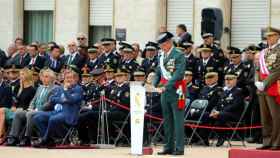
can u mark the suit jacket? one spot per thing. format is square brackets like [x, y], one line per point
[41, 100]
[3, 58]
[78, 60]
[25, 61]
[39, 62]
[185, 37]
[6, 95]
[57, 67]
[70, 100]
[178, 74]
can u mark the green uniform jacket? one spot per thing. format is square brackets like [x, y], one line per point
[177, 75]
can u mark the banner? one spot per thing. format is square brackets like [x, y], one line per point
[137, 104]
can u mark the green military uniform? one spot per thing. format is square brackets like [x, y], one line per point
[173, 117]
[270, 111]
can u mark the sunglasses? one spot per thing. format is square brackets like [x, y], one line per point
[80, 38]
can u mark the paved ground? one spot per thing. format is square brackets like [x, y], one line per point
[190, 152]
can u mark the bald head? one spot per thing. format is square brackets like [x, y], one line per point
[72, 46]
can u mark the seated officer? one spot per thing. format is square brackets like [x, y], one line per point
[241, 69]
[150, 61]
[88, 121]
[205, 64]
[67, 101]
[93, 62]
[192, 90]
[129, 63]
[211, 92]
[230, 105]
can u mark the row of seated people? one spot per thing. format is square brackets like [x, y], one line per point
[55, 108]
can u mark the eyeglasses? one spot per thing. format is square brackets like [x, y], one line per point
[71, 45]
[81, 38]
[229, 79]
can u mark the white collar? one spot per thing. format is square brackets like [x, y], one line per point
[273, 46]
[227, 88]
[74, 54]
[211, 86]
[205, 60]
[1, 83]
[187, 56]
[169, 52]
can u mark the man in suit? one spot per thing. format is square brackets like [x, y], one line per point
[5, 92]
[22, 59]
[5, 102]
[67, 100]
[266, 83]
[182, 34]
[54, 61]
[23, 118]
[13, 80]
[35, 59]
[74, 57]
[168, 80]
[229, 107]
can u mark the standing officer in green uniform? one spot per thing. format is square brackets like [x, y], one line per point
[169, 75]
[266, 83]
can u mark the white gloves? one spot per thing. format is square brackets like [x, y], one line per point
[58, 107]
[259, 85]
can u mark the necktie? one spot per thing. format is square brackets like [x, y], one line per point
[21, 60]
[69, 60]
[32, 61]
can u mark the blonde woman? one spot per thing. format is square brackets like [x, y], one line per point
[23, 98]
[40, 102]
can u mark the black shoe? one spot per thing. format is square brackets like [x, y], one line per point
[220, 142]
[251, 140]
[43, 144]
[178, 153]
[165, 152]
[25, 142]
[266, 147]
[12, 141]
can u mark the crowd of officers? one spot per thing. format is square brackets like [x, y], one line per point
[223, 77]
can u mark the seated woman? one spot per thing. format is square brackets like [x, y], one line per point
[23, 118]
[24, 96]
[5, 102]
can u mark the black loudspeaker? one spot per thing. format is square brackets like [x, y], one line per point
[212, 22]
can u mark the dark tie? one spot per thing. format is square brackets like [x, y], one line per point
[21, 60]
